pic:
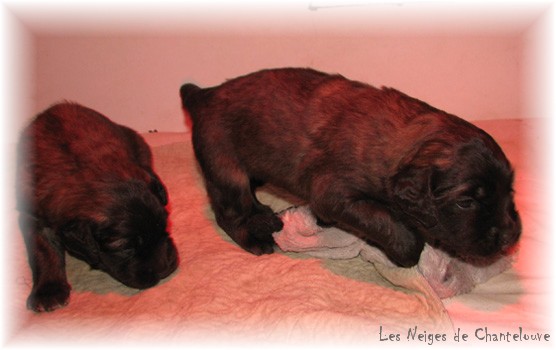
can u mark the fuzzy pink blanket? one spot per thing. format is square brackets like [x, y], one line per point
[222, 295]
[220, 292]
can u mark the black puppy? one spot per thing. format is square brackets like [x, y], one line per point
[375, 162]
[86, 186]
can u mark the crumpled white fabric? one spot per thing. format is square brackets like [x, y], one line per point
[448, 276]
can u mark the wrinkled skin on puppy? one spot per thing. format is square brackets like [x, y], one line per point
[375, 162]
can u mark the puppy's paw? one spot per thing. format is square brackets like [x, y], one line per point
[405, 247]
[49, 297]
[259, 228]
[259, 245]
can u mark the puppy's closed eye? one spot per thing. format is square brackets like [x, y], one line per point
[466, 203]
[117, 244]
[472, 200]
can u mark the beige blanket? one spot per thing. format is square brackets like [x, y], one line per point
[220, 292]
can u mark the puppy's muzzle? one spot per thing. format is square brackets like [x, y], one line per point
[146, 273]
[507, 235]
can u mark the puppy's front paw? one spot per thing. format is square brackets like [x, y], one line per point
[405, 247]
[259, 228]
[49, 297]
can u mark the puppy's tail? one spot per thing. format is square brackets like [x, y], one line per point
[189, 94]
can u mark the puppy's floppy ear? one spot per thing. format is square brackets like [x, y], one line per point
[411, 186]
[157, 188]
[411, 191]
[78, 237]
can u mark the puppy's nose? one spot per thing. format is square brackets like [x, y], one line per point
[508, 238]
[510, 234]
[510, 229]
[505, 237]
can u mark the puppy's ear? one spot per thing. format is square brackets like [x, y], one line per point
[157, 188]
[412, 193]
[412, 184]
[79, 240]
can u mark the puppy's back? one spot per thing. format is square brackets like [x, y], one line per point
[69, 151]
[71, 136]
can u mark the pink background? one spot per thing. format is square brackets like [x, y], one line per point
[478, 63]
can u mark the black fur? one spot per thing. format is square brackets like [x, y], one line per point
[375, 162]
[86, 186]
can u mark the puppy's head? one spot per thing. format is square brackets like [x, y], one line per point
[457, 192]
[126, 237]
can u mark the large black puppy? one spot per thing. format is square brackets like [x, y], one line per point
[375, 162]
[86, 186]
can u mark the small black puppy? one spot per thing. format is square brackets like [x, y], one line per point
[85, 185]
[375, 162]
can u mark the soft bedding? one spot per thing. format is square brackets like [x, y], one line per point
[222, 295]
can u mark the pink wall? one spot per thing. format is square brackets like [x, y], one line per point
[128, 63]
[135, 79]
